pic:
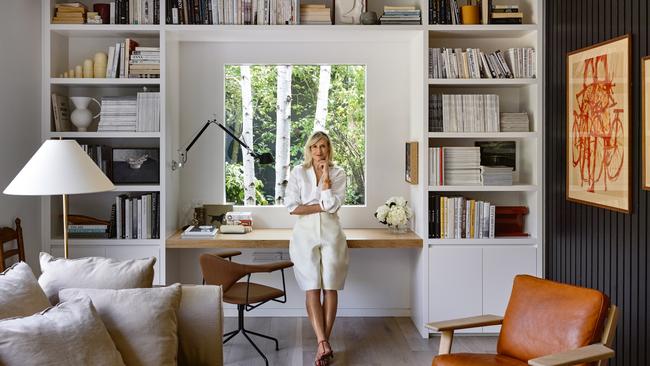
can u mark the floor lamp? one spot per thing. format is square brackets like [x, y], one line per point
[59, 167]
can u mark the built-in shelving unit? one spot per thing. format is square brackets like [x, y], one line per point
[452, 278]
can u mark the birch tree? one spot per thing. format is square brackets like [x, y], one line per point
[282, 135]
[247, 135]
[323, 97]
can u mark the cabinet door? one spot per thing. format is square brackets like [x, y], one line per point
[124, 252]
[455, 283]
[500, 266]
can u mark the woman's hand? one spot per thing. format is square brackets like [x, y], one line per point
[324, 167]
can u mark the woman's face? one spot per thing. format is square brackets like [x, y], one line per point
[319, 150]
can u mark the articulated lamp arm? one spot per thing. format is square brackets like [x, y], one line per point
[265, 158]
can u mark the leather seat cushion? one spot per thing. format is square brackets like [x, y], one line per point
[545, 317]
[475, 359]
[236, 294]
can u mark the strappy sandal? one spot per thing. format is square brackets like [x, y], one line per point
[326, 356]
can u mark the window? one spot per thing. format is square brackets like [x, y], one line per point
[311, 97]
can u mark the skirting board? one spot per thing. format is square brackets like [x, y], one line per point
[301, 312]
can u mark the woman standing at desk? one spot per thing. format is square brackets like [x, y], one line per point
[318, 248]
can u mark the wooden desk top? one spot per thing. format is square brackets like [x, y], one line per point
[279, 238]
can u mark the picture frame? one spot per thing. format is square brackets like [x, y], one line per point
[136, 165]
[411, 162]
[598, 125]
[645, 113]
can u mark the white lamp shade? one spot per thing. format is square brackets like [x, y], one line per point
[59, 167]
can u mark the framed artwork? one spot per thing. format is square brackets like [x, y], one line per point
[645, 101]
[136, 166]
[411, 170]
[598, 125]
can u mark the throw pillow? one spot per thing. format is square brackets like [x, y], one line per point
[20, 294]
[93, 272]
[142, 322]
[70, 333]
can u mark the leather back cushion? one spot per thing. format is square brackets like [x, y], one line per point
[545, 317]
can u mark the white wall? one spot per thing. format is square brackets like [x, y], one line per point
[379, 279]
[20, 95]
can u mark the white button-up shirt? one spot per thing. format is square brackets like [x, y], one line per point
[303, 190]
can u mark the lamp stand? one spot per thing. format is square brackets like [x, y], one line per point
[65, 226]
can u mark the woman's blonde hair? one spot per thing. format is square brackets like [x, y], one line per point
[313, 139]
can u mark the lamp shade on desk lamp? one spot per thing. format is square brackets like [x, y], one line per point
[59, 167]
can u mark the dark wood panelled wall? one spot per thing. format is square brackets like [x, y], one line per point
[585, 245]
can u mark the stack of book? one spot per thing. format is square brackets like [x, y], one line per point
[137, 216]
[93, 17]
[460, 218]
[506, 14]
[88, 231]
[315, 14]
[199, 232]
[119, 55]
[119, 114]
[448, 63]
[496, 175]
[403, 15]
[461, 165]
[514, 122]
[464, 113]
[70, 13]
[244, 219]
[144, 62]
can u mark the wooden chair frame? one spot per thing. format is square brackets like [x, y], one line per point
[600, 352]
[8, 234]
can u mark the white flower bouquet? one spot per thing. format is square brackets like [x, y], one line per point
[395, 213]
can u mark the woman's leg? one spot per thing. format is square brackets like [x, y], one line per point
[330, 305]
[315, 313]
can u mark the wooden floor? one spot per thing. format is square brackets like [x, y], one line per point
[356, 341]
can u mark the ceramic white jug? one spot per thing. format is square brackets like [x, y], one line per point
[81, 116]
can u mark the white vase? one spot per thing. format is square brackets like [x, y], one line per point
[81, 117]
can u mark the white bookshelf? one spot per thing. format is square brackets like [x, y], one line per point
[67, 45]
[432, 291]
[467, 277]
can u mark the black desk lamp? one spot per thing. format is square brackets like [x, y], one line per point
[265, 158]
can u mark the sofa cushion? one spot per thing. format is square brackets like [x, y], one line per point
[200, 326]
[93, 272]
[142, 322]
[70, 333]
[20, 294]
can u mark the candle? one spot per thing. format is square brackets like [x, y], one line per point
[78, 71]
[88, 68]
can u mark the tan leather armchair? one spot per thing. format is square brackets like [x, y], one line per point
[217, 270]
[546, 324]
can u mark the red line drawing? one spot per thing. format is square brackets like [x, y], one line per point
[597, 130]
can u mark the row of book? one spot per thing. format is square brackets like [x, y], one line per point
[463, 113]
[137, 216]
[448, 12]
[128, 60]
[134, 12]
[140, 113]
[489, 163]
[448, 63]
[402, 15]
[265, 12]
[457, 217]
[101, 155]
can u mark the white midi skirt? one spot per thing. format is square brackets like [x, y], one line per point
[319, 252]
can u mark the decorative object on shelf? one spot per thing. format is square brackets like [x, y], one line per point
[92, 17]
[395, 213]
[369, 18]
[197, 217]
[597, 125]
[470, 14]
[411, 162]
[59, 167]
[265, 158]
[78, 71]
[215, 214]
[509, 220]
[104, 11]
[348, 11]
[645, 101]
[99, 64]
[136, 166]
[81, 117]
[88, 68]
